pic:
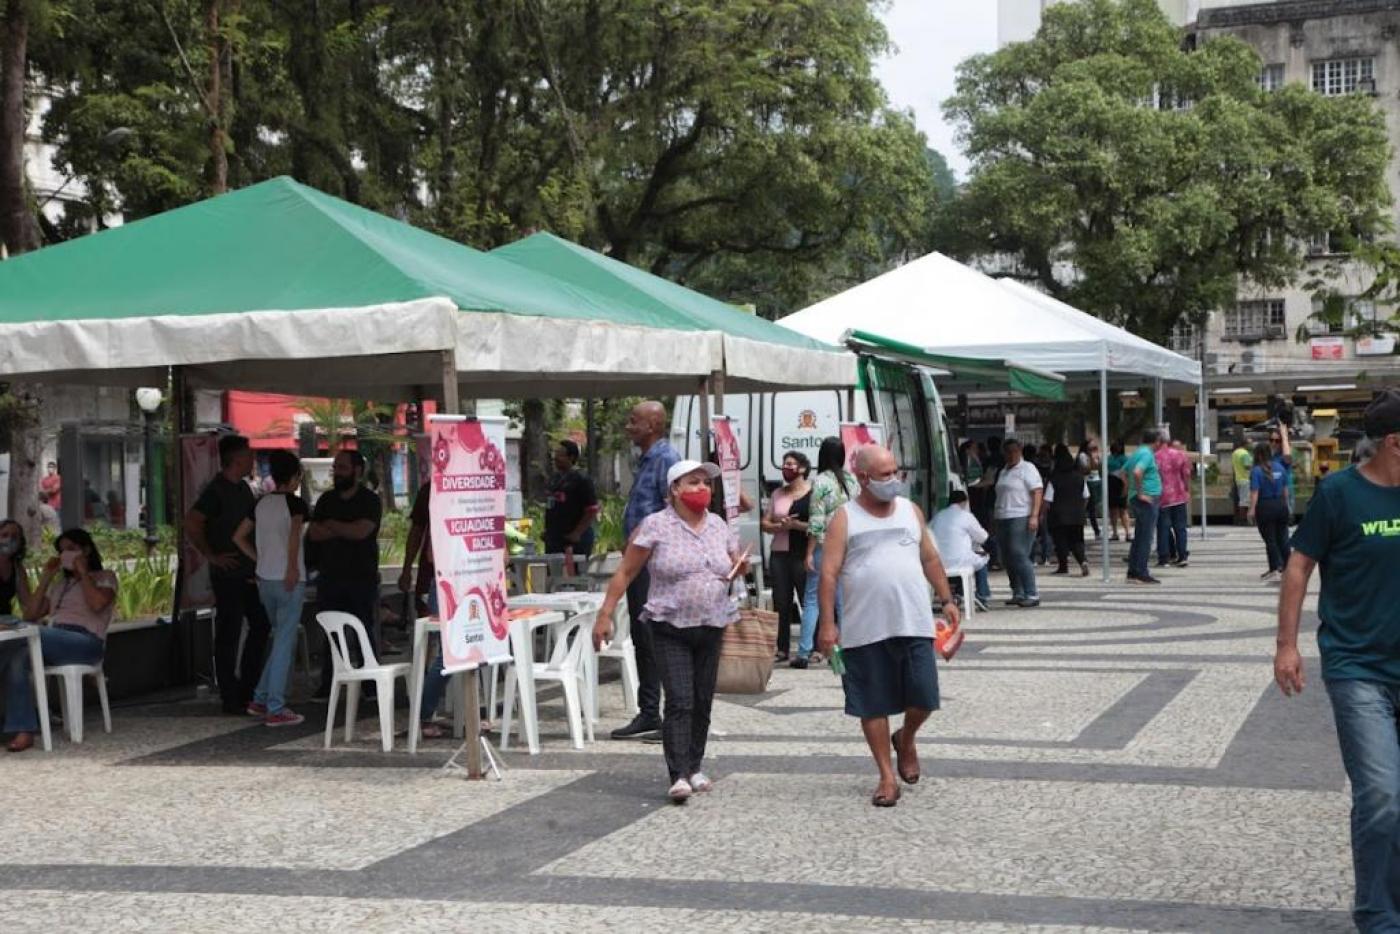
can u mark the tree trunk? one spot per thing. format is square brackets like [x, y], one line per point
[26, 449]
[218, 51]
[534, 451]
[18, 231]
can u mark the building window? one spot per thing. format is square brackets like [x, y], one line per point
[1340, 75]
[1356, 313]
[1256, 320]
[1184, 339]
[1270, 78]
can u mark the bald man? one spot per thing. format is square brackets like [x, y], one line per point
[646, 428]
[879, 550]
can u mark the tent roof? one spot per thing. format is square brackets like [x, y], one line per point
[236, 286]
[946, 307]
[748, 339]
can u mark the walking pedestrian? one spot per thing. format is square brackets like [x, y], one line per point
[1118, 492]
[1066, 495]
[1175, 470]
[1019, 494]
[1144, 493]
[884, 560]
[1349, 529]
[646, 428]
[1268, 508]
[271, 537]
[224, 503]
[693, 556]
[786, 521]
[1241, 464]
[831, 490]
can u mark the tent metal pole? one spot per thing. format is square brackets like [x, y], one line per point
[704, 418]
[1202, 420]
[1103, 470]
[452, 405]
[717, 386]
[1157, 406]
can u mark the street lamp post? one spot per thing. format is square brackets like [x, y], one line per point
[149, 399]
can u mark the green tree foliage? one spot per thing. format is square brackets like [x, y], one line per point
[1143, 181]
[744, 146]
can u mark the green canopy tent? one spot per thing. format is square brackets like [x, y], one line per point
[755, 351]
[245, 289]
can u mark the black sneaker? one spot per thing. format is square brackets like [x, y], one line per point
[1183, 563]
[1149, 579]
[1014, 601]
[638, 728]
[798, 661]
[1028, 602]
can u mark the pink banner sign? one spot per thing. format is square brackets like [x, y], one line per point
[199, 461]
[727, 455]
[467, 516]
[855, 435]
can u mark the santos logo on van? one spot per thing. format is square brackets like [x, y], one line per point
[806, 421]
[1389, 528]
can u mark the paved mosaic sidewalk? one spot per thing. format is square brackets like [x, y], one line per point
[1115, 760]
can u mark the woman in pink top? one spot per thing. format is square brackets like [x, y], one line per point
[78, 597]
[786, 521]
[692, 556]
[1175, 467]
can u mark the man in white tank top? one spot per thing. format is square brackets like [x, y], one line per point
[878, 547]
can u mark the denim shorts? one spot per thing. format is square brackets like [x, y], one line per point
[890, 676]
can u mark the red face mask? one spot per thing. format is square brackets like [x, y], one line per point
[791, 473]
[697, 500]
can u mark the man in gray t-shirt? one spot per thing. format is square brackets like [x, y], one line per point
[879, 549]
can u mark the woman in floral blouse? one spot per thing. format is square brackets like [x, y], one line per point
[830, 491]
[692, 556]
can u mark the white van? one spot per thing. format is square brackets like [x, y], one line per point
[900, 397]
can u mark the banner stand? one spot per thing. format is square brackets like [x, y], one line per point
[466, 511]
[450, 767]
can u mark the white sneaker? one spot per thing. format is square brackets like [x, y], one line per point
[680, 791]
[701, 782]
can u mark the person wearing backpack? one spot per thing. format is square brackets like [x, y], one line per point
[1268, 507]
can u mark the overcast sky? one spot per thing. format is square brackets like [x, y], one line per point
[932, 37]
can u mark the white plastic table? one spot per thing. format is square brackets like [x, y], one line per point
[30, 632]
[522, 653]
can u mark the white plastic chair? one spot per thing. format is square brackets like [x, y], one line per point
[344, 673]
[71, 697]
[624, 650]
[568, 666]
[969, 588]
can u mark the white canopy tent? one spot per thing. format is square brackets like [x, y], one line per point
[945, 307]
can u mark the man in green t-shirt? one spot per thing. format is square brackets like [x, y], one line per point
[1352, 531]
[1144, 496]
[1243, 462]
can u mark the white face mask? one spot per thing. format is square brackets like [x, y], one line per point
[9, 547]
[885, 490]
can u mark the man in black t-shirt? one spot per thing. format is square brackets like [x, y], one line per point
[210, 525]
[345, 531]
[572, 506]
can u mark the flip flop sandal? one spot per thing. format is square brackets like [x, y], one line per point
[885, 801]
[898, 760]
[435, 731]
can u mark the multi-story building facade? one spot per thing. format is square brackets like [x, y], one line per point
[1333, 47]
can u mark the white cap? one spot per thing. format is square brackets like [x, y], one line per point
[685, 467]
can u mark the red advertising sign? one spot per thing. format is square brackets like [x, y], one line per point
[1328, 348]
[855, 435]
[467, 515]
[727, 455]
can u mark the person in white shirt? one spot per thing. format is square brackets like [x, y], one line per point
[1019, 493]
[271, 536]
[960, 537]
